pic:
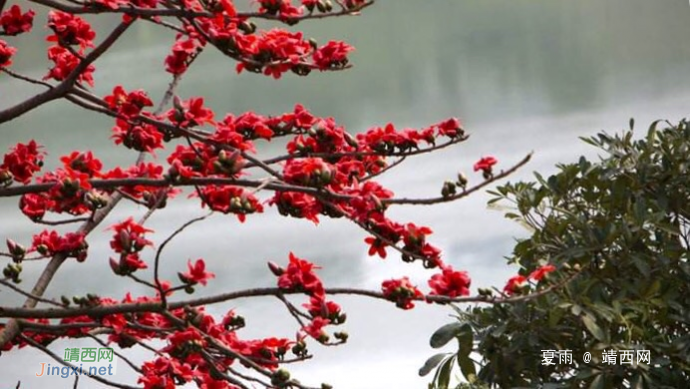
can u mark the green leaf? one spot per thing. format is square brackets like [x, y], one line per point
[444, 334]
[465, 340]
[593, 327]
[444, 376]
[431, 363]
[467, 367]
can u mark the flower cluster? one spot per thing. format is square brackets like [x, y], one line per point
[230, 199]
[15, 22]
[309, 172]
[196, 273]
[49, 243]
[183, 52]
[64, 64]
[284, 8]
[299, 276]
[128, 240]
[485, 164]
[6, 53]
[515, 283]
[140, 137]
[402, 292]
[190, 113]
[450, 283]
[128, 104]
[71, 191]
[21, 163]
[142, 170]
[70, 30]
[297, 204]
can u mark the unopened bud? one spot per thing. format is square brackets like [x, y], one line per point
[16, 250]
[342, 336]
[247, 27]
[462, 180]
[448, 189]
[280, 376]
[115, 266]
[275, 269]
[5, 177]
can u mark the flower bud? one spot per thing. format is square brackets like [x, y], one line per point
[299, 349]
[42, 249]
[275, 269]
[16, 250]
[183, 278]
[341, 336]
[462, 180]
[247, 27]
[81, 255]
[5, 177]
[115, 266]
[95, 200]
[236, 322]
[448, 189]
[280, 377]
[125, 241]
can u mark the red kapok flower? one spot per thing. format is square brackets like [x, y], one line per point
[485, 164]
[299, 275]
[541, 272]
[190, 113]
[23, 161]
[319, 307]
[70, 30]
[6, 53]
[450, 128]
[332, 55]
[230, 199]
[140, 137]
[197, 273]
[129, 237]
[513, 285]
[315, 329]
[83, 162]
[402, 292]
[65, 63]
[450, 283]
[49, 243]
[128, 104]
[14, 22]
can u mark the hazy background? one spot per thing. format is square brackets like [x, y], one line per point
[523, 75]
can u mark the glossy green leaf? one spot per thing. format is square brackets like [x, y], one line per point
[445, 334]
[431, 363]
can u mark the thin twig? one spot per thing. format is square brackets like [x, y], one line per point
[29, 295]
[62, 362]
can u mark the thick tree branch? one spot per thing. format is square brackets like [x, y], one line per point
[13, 312]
